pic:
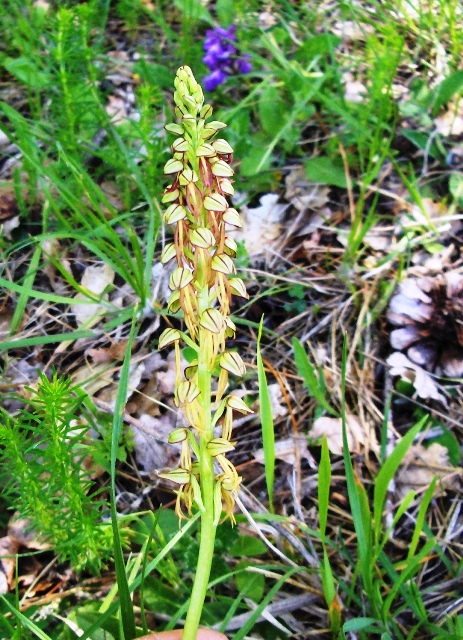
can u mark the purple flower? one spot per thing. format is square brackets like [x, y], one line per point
[213, 80]
[222, 56]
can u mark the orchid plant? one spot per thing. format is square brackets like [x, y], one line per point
[202, 284]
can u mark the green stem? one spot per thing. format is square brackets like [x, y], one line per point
[206, 467]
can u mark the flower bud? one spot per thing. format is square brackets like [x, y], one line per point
[168, 253]
[202, 238]
[174, 128]
[179, 475]
[170, 195]
[175, 213]
[169, 336]
[232, 362]
[231, 216]
[206, 112]
[205, 150]
[173, 166]
[212, 320]
[173, 304]
[226, 187]
[191, 371]
[230, 246]
[221, 146]
[231, 328]
[215, 202]
[178, 435]
[186, 393]
[237, 404]
[180, 278]
[221, 169]
[238, 287]
[223, 264]
[187, 176]
[180, 145]
[218, 446]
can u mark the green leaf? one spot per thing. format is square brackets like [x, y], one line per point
[257, 159]
[251, 585]
[456, 187]
[357, 624]
[324, 482]
[421, 141]
[24, 70]
[247, 546]
[194, 10]
[127, 613]
[272, 110]
[266, 418]
[154, 74]
[320, 45]
[388, 471]
[325, 171]
[307, 371]
[226, 12]
[450, 442]
[446, 90]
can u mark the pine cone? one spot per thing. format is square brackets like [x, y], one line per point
[429, 312]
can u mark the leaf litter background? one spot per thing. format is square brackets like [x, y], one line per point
[296, 236]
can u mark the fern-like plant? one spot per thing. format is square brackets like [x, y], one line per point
[42, 468]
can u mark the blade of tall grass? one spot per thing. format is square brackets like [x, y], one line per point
[357, 498]
[28, 283]
[126, 607]
[306, 370]
[387, 472]
[268, 434]
[248, 625]
[29, 624]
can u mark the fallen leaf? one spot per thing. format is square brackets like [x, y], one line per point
[261, 225]
[450, 123]
[354, 90]
[286, 450]
[424, 383]
[302, 193]
[95, 279]
[20, 530]
[332, 429]
[419, 467]
[8, 547]
[115, 352]
[152, 450]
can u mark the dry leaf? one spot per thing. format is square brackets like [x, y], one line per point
[95, 279]
[115, 352]
[108, 395]
[378, 238]
[425, 385]
[286, 450]
[8, 547]
[19, 529]
[451, 122]
[304, 194]
[262, 225]
[354, 90]
[278, 409]
[150, 435]
[419, 467]
[332, 429]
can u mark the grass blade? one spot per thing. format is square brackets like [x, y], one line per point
[307, 371]
[266, 417]
[126, 607]
[388, 471]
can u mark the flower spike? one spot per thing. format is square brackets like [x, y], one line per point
[202, 282]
